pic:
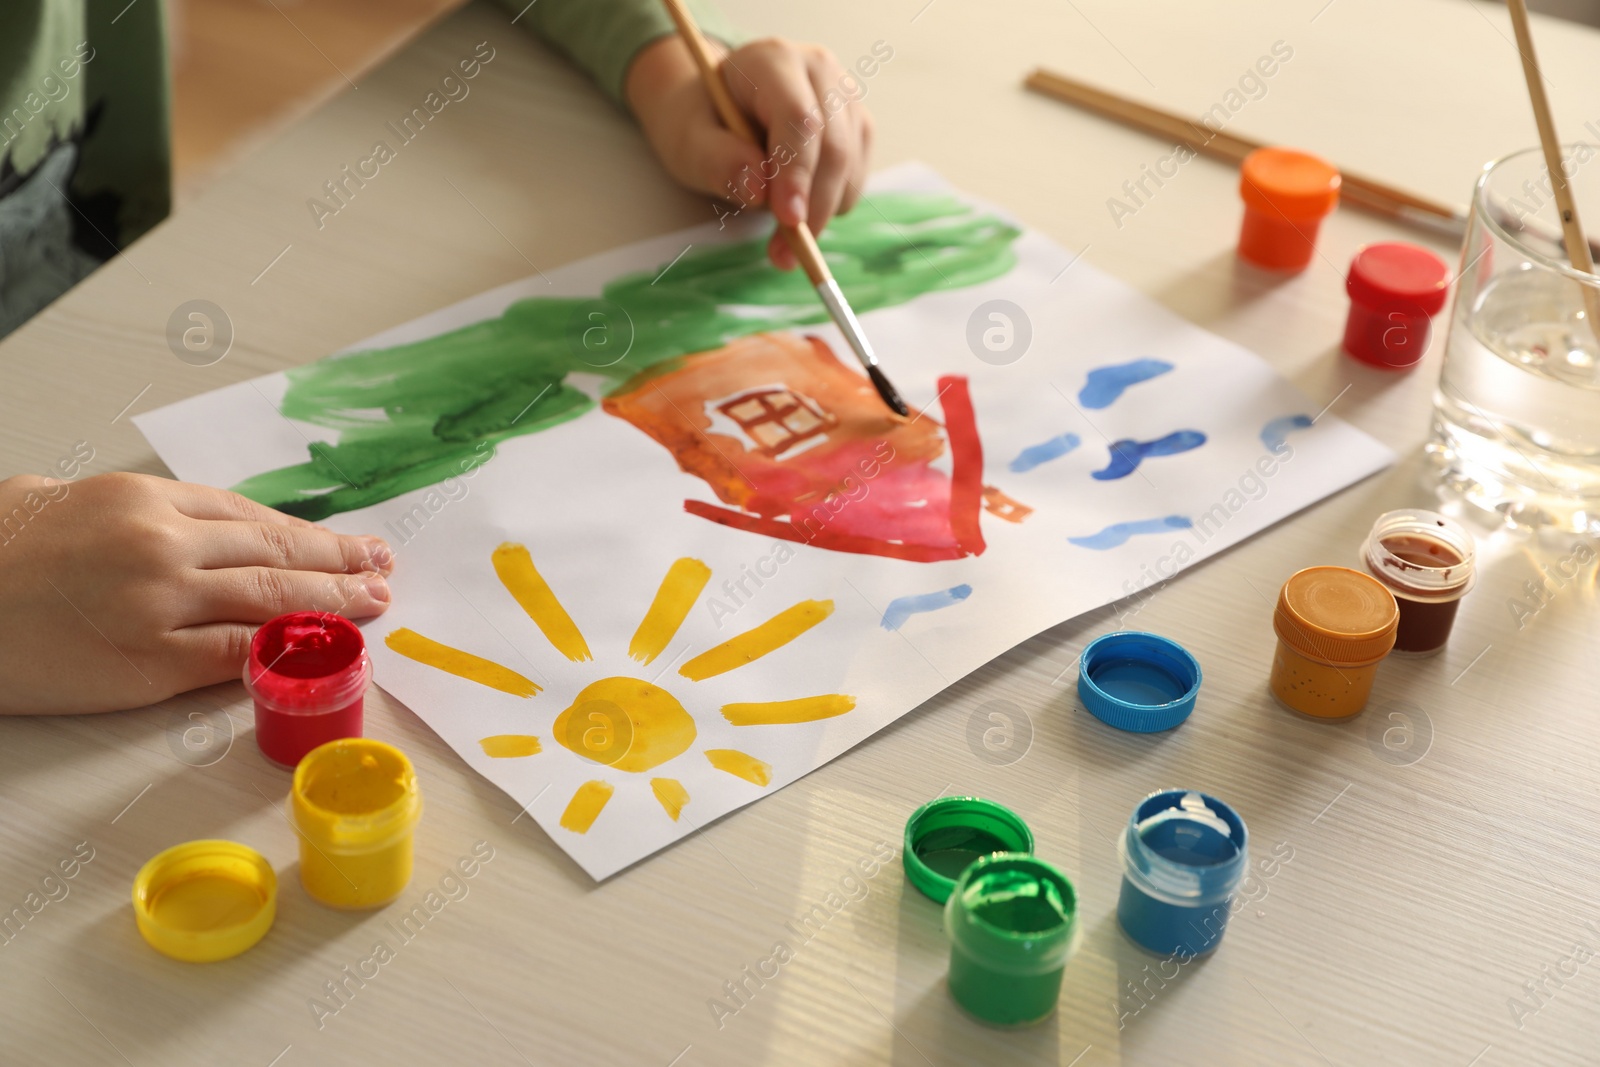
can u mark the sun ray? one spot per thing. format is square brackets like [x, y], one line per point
[740, 765]
[671, 793]
[779, 712]
[524, 582]
[679, 590]
[509, 746]
[585, 805]
[627, 724]
[425, 650]
[753, 644]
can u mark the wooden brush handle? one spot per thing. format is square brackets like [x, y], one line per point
[1571, 227]
[799, 237]
[1355, 189]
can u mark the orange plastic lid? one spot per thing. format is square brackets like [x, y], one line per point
[1336, 615]
[1285, 181]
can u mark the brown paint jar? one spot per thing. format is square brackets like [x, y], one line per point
[1334, 626]
[1427, 561]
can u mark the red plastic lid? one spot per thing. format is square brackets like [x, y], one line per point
[1398, 275]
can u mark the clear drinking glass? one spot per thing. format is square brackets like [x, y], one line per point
[1516, 425]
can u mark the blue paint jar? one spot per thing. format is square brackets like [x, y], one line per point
[1183, 855]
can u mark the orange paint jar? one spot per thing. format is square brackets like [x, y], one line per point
[1286, 196]
[1334, 626]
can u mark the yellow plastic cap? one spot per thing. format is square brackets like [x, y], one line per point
[203, 901]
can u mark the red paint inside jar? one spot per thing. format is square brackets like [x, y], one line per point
[308, 673]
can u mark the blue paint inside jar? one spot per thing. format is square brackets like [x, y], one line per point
[1193, 844]
[1184, 854]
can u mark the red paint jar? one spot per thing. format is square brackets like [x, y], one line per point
[1395, 291]
[1427, 561]
[308, 672]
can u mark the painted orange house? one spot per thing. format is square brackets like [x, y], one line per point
[798, 446]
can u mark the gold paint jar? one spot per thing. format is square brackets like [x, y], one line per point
[1334, 626]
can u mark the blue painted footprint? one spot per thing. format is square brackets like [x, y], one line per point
[1118, 533]
[902, 608]
[1105, 384]
[1034, 455]
[1126, 455]
[1276, 432]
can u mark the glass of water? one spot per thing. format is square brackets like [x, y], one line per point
[1516, 425]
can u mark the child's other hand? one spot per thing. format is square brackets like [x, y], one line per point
[815, 161]
[123, 589]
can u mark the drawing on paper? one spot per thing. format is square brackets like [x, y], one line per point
[1276, 432]
[655, 413]
[409, 416]
[1104, 385]
[624, 723]
[810, 453]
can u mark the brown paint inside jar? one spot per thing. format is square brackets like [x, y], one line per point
[1424, 624]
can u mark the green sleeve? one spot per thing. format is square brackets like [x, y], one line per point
[603, 36]
[127, 155]
[85, 150]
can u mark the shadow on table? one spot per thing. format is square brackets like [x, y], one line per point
[1217, 287]
[107, 959]
[1147, 982]
[1347, 385]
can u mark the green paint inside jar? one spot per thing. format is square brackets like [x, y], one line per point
[1011, 922]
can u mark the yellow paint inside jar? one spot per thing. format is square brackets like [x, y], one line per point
[356, 804]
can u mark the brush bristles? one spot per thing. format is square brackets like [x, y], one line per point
[887, 390]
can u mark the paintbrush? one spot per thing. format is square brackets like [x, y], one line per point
[799, 237]
[1571, 228]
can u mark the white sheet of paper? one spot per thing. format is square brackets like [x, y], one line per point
[600, 506]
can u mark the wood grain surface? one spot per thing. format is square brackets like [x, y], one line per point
[1444, 845]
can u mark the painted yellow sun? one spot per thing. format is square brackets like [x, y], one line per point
[623, 723]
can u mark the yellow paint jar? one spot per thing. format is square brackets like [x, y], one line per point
[203, 901]
[356, 805]
[1334, 626]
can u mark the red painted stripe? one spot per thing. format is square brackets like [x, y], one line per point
[866, 546]
[966, 463]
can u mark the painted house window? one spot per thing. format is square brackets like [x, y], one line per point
[776, 419]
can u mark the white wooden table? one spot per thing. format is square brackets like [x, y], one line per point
[1430, 880]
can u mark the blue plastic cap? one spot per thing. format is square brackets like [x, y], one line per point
[1138, 682]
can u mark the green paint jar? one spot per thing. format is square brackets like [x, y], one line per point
[1012, 921]
[945, 835]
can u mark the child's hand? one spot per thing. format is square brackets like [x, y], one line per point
[123, 589]
[815, 161]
